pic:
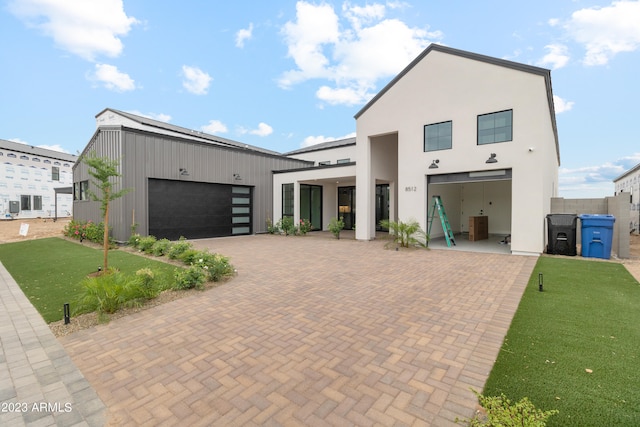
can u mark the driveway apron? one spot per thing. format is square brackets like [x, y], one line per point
[311, 331]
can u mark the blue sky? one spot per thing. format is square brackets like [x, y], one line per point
[286, 74]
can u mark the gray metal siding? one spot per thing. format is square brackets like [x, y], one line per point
[146, 155]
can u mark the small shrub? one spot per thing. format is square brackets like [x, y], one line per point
[178, 248]
[500, 412]
[271, 227]
[336, 225]
[304, 227]
[106, 293]
[146, 244]
[286, 225]
[161, 247]
[84, 230]
[190, 278]
[191, 255]
[134, 240]
[218, 267]
[406, 233]
[146, 281]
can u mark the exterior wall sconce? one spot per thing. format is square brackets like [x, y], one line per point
[434, 164]
[492, 158]
[184, 172]
[237, 177]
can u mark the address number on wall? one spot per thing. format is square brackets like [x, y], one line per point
[411, 188]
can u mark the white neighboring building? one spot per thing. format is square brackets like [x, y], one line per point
[478, 131]
[629, 182]
[29, 177]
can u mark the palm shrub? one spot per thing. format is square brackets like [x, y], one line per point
[405, 233]
[108, 292]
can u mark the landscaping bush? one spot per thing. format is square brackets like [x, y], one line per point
[134, 240]
[286, 225]
[271, 227]
[190, 278]
[84, 230]
[191, 256]
[406, 233]
[106, 293]
[335, 226]
[178, 248]
[146, 244]
[161, 247]
[500, 412]
[304, 227]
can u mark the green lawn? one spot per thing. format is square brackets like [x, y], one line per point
[587, 318]
[49, 271]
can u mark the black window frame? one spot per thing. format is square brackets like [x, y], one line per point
[440, 137]
[288, 197]
[493, 136]
[80, 190]
[25, 202]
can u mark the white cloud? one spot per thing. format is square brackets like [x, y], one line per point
[215, 127]
[195, 80]
[313, 140]
[560, 105]
[112, 78]
[262, 130]
[84, 28]
[352, 53]
[243, 35]
[55, 147]
[606, 31]
[155, 116]
[553, 22]
[557, 57]
[594, 181]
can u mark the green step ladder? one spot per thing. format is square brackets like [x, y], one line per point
[446, 227]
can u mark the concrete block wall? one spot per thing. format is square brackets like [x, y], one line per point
[618, 206]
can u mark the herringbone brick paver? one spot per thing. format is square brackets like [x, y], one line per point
[311, 331]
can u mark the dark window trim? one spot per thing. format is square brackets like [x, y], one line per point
[494, 141]
[289, 187]
[426, 150]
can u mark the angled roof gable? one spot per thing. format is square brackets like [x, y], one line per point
[475, 57]
[324, 146]
[146, 123]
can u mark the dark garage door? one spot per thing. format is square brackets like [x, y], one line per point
[197, 210]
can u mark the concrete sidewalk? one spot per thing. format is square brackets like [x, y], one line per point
[312, 331]
[39, 383]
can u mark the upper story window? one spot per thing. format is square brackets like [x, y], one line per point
[47, 161]
[80, 190]
[36, 159]
[495, 127]
[11, 155]
[324, 163]
[342, 161]
[438, 136]
[55, 173]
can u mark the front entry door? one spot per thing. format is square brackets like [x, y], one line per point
[382, 204]
[311, 204]
[347, 206]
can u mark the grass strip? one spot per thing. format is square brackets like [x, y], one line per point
[575, 347]
[50, 270]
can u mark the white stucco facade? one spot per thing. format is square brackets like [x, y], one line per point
[448, 85]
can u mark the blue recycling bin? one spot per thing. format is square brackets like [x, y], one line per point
[597, 235]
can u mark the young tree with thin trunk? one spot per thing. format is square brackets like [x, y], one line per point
[105, 174]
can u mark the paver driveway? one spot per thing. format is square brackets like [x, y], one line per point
[312, 331]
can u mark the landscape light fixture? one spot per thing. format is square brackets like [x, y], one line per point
[492, 158]
[434, 164]
[540, 280]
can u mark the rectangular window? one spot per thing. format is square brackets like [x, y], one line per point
[437, 136]
[55, 173]
[25, 203]
[287, 200]
[324, 163]
[80, 190]
[343, 161]
[495, 127]
[37, 203]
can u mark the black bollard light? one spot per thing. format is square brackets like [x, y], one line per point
[67, 314]
[540, 280]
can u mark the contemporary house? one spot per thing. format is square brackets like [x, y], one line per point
[479, 132]
[629, 182]
[183, 182]
[35, 182]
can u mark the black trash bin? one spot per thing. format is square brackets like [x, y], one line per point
[562, 234]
